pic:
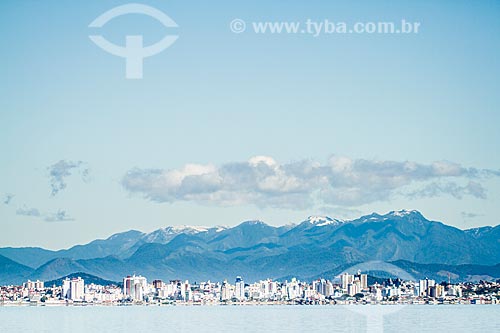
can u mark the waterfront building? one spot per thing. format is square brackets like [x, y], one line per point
[134, 287]
[346, 279]
[424, 286]
[293, 289]
[73, 289]
[363, 279]
[239, 289]
[33, 285]
[227, 291]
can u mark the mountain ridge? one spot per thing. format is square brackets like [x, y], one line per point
[257, 250]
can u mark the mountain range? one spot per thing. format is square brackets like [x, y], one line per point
[318, 246]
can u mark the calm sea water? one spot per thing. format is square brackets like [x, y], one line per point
[413, 318]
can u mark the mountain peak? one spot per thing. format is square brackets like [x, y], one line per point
[254, 222]
[125, 234]
[479, 231]
[413, 215]
[404, 213]
[320, 221]
[164, 235]
[187, 229]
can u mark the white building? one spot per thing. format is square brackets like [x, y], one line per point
[186, 292]
[293, 289]
[424, 286]
[227, 291]
[346, 279]
[73, 289]
[323, 287]
[268, 288]
[363, 280]
[357, 281]
[65, 288]
[134, 287]
[353, 288]
[33, 285]
[239, 289]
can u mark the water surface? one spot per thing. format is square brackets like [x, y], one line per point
[413, 318]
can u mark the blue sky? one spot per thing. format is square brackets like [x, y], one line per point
[349, 124]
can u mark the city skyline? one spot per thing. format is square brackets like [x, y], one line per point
[345, 289]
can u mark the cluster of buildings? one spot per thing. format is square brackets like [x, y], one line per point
[345, 289]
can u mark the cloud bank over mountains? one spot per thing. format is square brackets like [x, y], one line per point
[341, 181]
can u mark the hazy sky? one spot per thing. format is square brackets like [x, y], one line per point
[228, 127]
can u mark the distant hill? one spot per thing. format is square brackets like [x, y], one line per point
[88, 278]
[441, 272]
[35, 256]
[12, 272]
[256, 250]
[438, 272]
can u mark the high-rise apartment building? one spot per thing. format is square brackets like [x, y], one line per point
[134, 287]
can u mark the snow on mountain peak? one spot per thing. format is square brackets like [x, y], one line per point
[320, 221]
[164, 235]
[402, 212]
[219, 228]
[188, 229]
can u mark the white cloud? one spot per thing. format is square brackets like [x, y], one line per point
[59, 171]
[8, 198]
[59, 216]
[435, 189]
[470, 216]
[341, 181]
[25, 211]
